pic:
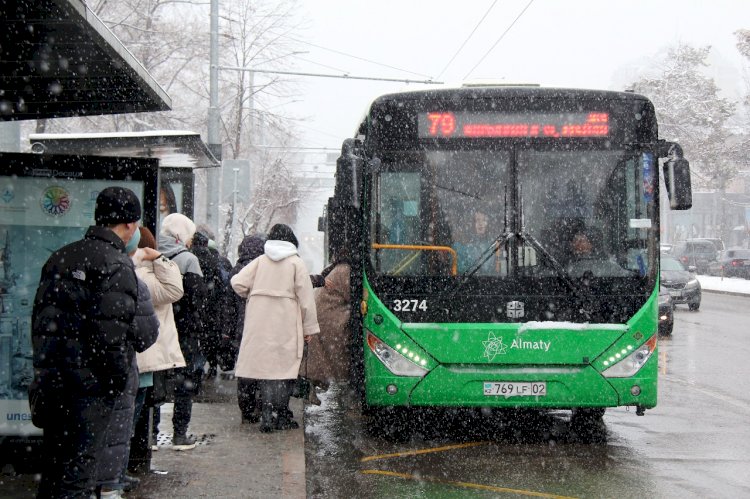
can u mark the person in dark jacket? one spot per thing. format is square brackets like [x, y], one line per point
[248, 399]
[226, 351]
[84, 345]
[175, 239]
[217, 289]
[112, 476]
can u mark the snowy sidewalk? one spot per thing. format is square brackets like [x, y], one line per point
[731, 285]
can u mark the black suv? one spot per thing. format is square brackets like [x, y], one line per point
[682, 285]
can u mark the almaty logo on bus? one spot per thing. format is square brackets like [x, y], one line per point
[494, 346]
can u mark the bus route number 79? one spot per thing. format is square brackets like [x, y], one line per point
[409, 305]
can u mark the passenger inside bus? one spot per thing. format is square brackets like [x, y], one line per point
[582, 246]
[476, 246]
[588, 257]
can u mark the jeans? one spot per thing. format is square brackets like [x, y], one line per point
[187, 384]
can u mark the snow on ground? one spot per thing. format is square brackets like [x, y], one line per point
[728, 284]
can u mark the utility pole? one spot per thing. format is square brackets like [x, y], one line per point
[214, 139]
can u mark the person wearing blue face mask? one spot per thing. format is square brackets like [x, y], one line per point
[133, 243]
[84, 346]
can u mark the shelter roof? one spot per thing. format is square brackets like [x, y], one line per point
[58, 59]
[173, 148]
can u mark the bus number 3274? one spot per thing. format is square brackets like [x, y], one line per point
[409, 305]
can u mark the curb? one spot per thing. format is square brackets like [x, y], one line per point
[722, 292]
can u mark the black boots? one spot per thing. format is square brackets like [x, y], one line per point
[267, 423]
[284, 419]
[248, 399]
[268, 391]
[275, 397]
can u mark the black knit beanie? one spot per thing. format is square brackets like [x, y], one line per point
[115, 205]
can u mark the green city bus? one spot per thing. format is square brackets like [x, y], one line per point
[505, 247]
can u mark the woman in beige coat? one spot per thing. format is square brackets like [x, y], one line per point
[279, 317]
[164, 281]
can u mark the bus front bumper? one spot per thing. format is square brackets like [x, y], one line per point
[566, 387]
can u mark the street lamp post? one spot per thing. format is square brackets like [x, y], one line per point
[214, 140]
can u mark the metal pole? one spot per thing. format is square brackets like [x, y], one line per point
[213, 109]
[214, 140]
[235, 173]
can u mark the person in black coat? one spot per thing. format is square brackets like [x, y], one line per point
[113, 464]
[84, 344]
[226, 349]
[213, 312]
[249, 249]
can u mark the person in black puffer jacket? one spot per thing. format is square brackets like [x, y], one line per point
[113, 464]
[84, 344]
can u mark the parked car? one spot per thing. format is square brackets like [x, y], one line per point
[734, 262]
[666, 312]
[665, 247]
[682, 284]
[698, 253]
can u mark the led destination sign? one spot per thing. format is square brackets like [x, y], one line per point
[464, 124]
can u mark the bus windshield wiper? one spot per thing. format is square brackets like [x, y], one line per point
[526, 236]
[556, 266]
[504, 236]
[560, 269]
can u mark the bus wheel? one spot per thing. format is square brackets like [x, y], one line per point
[587, 425]
[392, 423]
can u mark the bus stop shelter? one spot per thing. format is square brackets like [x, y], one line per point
[57, 59]
[179, 153]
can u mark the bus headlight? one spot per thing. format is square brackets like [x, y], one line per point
[631, 364]
[397, 363]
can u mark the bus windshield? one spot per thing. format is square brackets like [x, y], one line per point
[497, 214]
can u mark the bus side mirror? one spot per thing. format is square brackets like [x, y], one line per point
[342, 224]
[349, 171]
[677, 180]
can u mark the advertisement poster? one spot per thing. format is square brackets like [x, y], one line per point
[38, 215]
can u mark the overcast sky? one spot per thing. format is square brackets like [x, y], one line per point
[571, 43]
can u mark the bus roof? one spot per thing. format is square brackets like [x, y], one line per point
[484, 91]
[507, 91]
